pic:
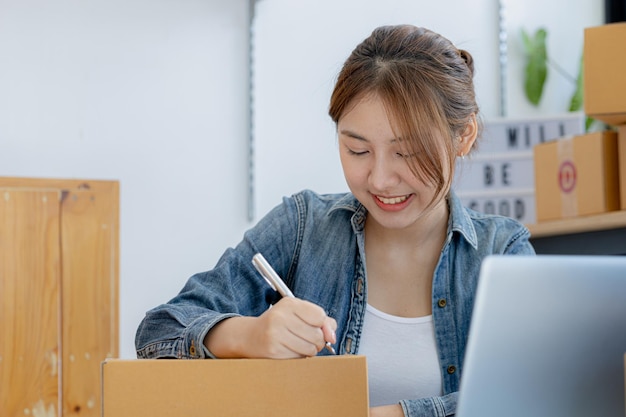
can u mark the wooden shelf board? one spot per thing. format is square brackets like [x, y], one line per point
[597, 222]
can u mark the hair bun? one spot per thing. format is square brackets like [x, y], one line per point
[467, 57]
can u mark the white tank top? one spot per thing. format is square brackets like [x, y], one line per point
[402, 360]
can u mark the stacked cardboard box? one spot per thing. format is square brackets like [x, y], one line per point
[498, 177]
[604, 74]
[577, 176]
[605, 85]
[586, 174]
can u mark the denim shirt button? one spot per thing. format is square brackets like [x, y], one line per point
[442, 303]
[451, 369]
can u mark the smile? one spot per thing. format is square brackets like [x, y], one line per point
[392, 200]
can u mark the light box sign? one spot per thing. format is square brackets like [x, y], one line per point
[498, 177]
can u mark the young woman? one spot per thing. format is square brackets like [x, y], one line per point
[388, 270]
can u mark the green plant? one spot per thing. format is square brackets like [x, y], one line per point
[536, 64]
[536, 72]
[576, 102]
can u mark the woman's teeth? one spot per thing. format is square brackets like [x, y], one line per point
[393, 200]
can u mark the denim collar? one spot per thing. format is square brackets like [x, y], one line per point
[460, 220]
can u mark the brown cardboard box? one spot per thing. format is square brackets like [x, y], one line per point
[312, 387]
[604, 73]
[621, 150]
[576, 176]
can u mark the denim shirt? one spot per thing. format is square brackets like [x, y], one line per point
[317, 244]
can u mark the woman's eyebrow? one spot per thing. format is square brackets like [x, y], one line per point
[349, 133]
[352, 134]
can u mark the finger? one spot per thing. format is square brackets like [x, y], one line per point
[276, 339]
[316, 317]
[287, 334]
[329, 328]
[309, 335]
[312, 334]
[310, 324]
[310, 313]
[304, 346]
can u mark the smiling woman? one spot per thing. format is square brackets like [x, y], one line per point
[399, 247]
[430, 99]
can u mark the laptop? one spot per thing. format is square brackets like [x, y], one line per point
[547, 338]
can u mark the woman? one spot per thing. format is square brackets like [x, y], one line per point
[388, 270]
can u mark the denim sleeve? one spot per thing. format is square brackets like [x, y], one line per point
[431, 407]
[232, 288]
[519, 243]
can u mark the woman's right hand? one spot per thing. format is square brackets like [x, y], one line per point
[291, 328]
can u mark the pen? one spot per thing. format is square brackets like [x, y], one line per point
[274, 280]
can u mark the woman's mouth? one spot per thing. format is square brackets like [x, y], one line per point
[392, 203]
[392, 200]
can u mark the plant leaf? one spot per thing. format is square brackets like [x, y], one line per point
[527, 42]
[576, 102]
[536, 66]
[589, 123]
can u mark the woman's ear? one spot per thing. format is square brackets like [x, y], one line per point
[468, 137]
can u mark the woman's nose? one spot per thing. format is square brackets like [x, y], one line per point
[383, 174]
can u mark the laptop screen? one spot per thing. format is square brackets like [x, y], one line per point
[547, 338]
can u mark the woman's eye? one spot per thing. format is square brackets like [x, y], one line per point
[405, 155]
[352, 152]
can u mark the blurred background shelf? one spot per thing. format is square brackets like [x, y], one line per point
[601, 234]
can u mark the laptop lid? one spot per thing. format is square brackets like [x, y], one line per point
[547, 338]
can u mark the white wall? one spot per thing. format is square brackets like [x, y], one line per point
[564, 20]
[154, 93]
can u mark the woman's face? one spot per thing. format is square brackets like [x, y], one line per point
[375, 166]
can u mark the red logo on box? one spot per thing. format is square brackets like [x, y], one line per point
[567, 176]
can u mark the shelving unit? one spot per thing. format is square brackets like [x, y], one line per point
[601, 234]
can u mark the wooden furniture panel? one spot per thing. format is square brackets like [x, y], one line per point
[90, 296]
[29, 285]
[85, 317]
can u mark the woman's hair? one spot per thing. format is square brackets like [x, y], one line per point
[426, 85]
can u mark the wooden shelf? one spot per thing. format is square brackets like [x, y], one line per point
[594, 223]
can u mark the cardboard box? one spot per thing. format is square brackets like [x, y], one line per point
[621, 150]
[312, 387]
[604, 63]
[576, 176]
